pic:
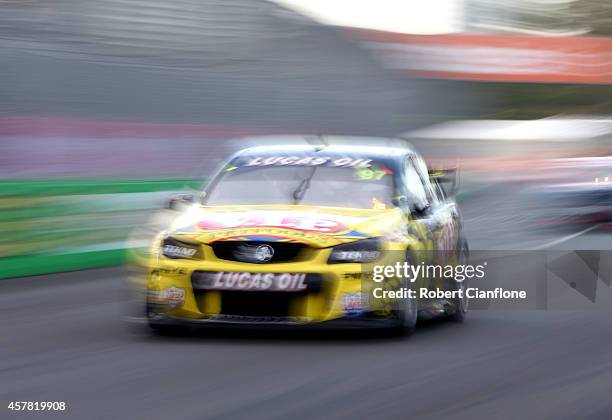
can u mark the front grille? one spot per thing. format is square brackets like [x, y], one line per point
[285, 320]
[244, 251]
[268, 304]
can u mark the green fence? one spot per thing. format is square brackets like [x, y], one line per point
[51, 226]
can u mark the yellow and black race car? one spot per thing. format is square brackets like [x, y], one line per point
[289, 235]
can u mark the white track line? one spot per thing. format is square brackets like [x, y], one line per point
[529, 246]
[565, 238]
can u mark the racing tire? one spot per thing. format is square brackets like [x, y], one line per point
[461, 304]
[407, 313]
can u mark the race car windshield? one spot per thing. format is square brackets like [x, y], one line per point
[306, 185]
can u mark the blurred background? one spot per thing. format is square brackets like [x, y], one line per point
[107, 106]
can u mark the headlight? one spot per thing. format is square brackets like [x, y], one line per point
[171, 248]
[362, 251]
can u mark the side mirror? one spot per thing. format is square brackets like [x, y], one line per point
[179, 201]
[447, 179]
[407, 206]
[400, 201]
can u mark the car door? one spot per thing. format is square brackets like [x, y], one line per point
[450, 210]
[433, 215]
[443, 210]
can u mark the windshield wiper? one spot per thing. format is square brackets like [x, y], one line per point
[300, 191]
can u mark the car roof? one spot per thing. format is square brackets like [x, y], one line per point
[372, 147]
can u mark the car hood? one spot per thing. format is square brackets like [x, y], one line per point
[313, 225]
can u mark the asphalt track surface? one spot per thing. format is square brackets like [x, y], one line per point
[64, 338]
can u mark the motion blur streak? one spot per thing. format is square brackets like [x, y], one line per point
[237, 62]
[110, 107]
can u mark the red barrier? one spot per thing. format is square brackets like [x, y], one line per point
[490, 57]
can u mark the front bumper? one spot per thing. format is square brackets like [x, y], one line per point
[341, 296]
[240, 322]
[171, 291]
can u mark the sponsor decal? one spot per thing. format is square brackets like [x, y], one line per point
[263, 238]
[279, 282]
[373, 174]
[341, 162]
[354, 304]
[281, 235]
[304, 223]
[263, 234]
[174, 296]
[174, 251]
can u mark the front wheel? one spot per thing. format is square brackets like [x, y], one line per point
[407, 313]
[461, 303]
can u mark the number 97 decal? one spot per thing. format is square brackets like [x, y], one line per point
[372, 174]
